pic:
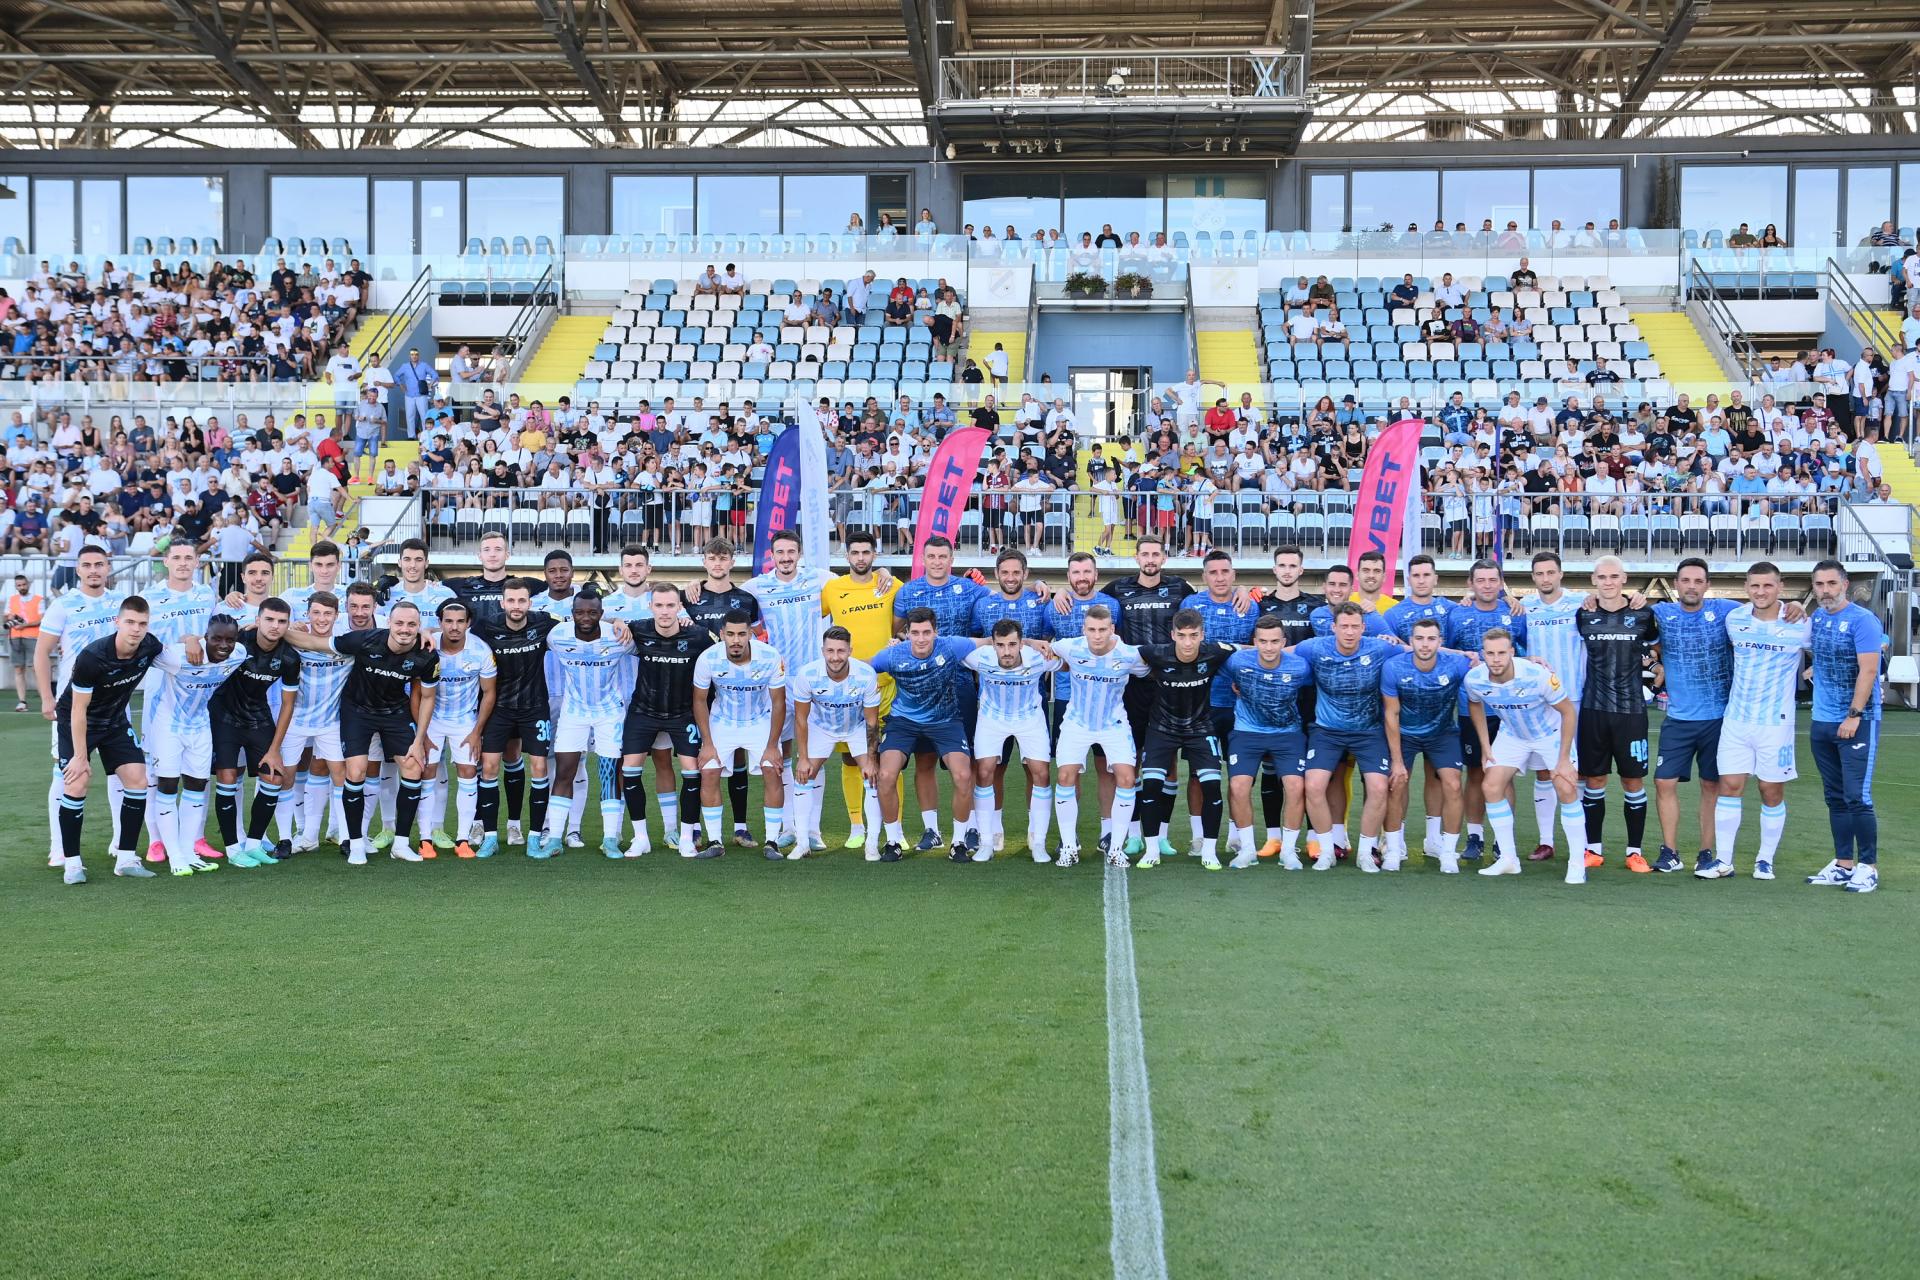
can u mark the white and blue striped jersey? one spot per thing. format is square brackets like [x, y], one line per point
[428, 599]
[1069, 625]
[839, 707]
[457, 704]
[1009, 694]
[1099, 681]
[1553, 638]
[1766, 667]
[180, 708]
[77, 620]
[323, 678]
[173, 614]
[300, 598]
[595, 675]
[740, 694]
[791, 613]
[1528, 705]
[244, 614]
[616, 606]
[563, 608]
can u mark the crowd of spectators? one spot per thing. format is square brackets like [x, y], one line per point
[178, 325]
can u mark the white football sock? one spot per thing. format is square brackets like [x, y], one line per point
[1545, 801]
[1726, 827]
[1773, 824]
[1039, 817]
[466, 802]
[1066, 814]
[896, 834]
[1340, 836]
[1500, 818]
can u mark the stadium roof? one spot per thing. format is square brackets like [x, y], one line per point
[320, 74]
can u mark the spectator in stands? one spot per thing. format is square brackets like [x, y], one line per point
[1523, 277]
[1331, 329]
[1886, 236]
[707, 283]
[1520, 326]
[1770, 238]
[796, 312]
[926, 225]
[1299, 293]
[759, 351]
[1436, 327]
[1495, 329]
[858, 299]
[946, 325]
[1449, 294]
[733, 282]
[1108, 237]
[417, 379]
[900, 303]
[1404, 294]
[1322, 291]
[1302, 326]
[1466, 328]
[1743, 239]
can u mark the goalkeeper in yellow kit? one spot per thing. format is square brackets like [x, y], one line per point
[855, 601]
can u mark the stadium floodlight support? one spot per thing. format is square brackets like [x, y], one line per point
[284, 115]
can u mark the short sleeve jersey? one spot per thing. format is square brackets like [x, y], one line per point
[866, 613]
[1069, 625]
[77, 620]
[1526, 705]
[1766, 667]
[593, 673]
[1099, 681]
[1222, 625]
[520, 663]
[1267, 699]
[110, 679]
[924, 687]
[952, 603]
[790, 611]
[1429, 700]
[1183, 707]
[380, 684]
[1009, 693]
[741, 693]
[836, 708]
[1840, 639]
[457, 705]
[1696, 654]
[663, 672]
[1617, 640]
[1348, 684]
[243, 699]
[181, 709]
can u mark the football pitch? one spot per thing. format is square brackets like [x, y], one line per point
[834, 1068]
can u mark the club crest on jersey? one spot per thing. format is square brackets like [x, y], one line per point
[1366, 661]
[1445, 681]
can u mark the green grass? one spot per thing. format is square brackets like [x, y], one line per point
[835, 1069]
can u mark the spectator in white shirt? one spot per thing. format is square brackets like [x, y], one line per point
[707, 282]
[759, 351]
[1303, 326]
[465, 368]
[1449, 294]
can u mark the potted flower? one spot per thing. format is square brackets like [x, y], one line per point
[1085, 284]
[1133, 285]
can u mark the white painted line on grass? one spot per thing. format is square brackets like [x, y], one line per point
[1139, 1252]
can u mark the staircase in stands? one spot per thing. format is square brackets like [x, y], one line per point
[1686, 361]
[564, 352]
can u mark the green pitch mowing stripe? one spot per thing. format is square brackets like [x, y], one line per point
[1416, 1074]
[580, 1068]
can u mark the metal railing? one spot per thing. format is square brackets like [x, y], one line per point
[1636, 525]
[1123, 79]
[527, 322]
[31, 366]
[1853, 305]
[1720, 318]
[404, 315]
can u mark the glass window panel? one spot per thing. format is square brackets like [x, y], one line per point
[736, 204]
[177, 206]
[100, 229]
[534, 205]
[1575, 196]
[1869, 201]
[1327, 202]
[1391, 198]
[1473, 195]
[1909, 194]
[440, 216]
[887, 193]
[821, 201]
[1213, 203]
[644, 205]
[1816, 208]
[1027, 213]
[1719, 197]
[393, 216]
[14, 221]
[309, 207]
[53, 217]
[1122, 201]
